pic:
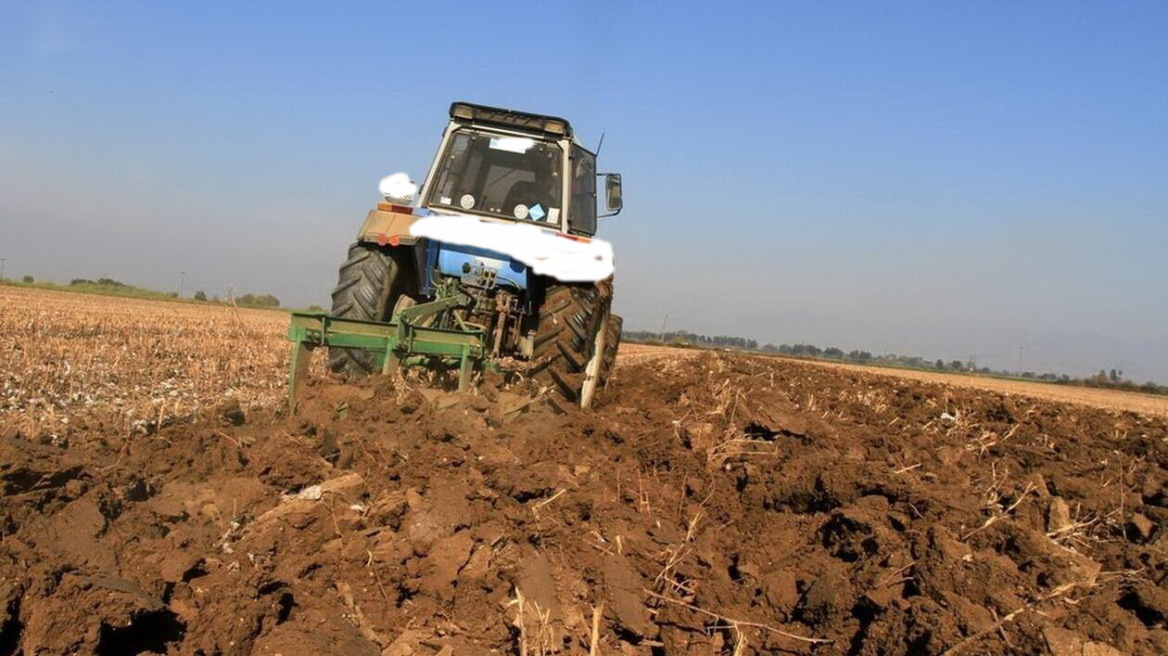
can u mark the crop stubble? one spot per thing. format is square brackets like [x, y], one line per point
[64, 356]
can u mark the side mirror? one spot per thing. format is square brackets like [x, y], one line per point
[612, 193]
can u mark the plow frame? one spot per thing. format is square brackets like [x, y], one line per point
[402, 342]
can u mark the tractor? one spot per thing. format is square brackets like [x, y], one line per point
[492, 265]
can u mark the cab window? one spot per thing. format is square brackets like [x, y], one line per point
[582, 215]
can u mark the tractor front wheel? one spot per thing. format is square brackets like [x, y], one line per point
[570, 338]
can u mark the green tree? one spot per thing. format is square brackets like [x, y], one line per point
[810, 350]
[27, 280]
[200, 295]
[259, 300]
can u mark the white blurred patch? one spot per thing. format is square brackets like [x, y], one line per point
[546, 252]
[513, 144]
[398, 188]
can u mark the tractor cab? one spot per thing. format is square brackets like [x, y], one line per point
[507, 165]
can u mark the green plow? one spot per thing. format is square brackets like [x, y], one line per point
[401, 342]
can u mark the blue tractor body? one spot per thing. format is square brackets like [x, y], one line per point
[478, 265]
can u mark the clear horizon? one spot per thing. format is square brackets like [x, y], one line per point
[981, 180]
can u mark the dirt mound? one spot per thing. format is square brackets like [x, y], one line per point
[717, 504]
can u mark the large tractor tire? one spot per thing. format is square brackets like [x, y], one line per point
[570, 339]
[371, 283]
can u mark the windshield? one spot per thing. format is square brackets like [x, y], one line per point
[499, 175]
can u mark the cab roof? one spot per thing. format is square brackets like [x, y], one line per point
[472, 114]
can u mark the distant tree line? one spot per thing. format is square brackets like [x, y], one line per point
[686, 338]
[249, 300]
[1110, 379]
[117, 288]
[102, 282]
[258, 300]
[106, 285]
[1114, 379]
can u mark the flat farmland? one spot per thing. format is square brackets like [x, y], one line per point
[64, 355]
[156, 498]
[1094, 397]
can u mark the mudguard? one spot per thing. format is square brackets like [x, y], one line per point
[389, 224]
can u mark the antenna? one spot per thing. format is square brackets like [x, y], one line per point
[600, 145]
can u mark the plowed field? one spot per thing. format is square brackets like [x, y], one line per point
[711, 504]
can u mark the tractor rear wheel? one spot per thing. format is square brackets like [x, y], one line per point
[371, 282]
[570, 339]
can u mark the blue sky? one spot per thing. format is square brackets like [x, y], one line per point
[985, 179]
